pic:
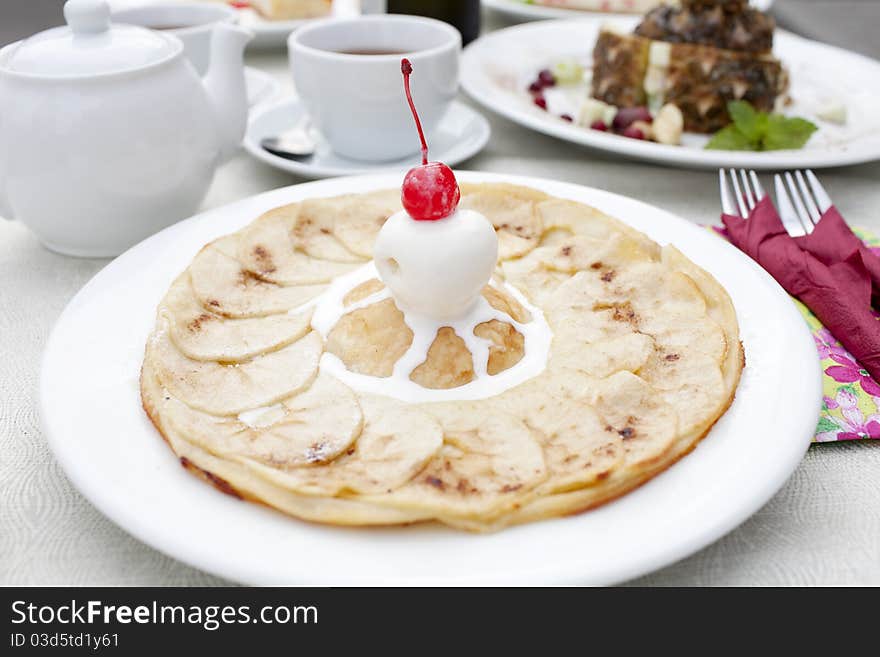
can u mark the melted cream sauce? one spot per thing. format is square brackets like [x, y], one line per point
[329, 308]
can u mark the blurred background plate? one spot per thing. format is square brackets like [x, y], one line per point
[498, 67]
[267, 34]
[519, 9]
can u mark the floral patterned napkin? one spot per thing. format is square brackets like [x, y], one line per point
[851, 404]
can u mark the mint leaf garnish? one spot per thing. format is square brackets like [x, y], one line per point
[785, 133]
[759, 131]
[746, 119]
[730, 138]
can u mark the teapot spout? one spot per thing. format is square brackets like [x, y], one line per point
[224, 83]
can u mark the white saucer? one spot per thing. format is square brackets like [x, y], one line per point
[461, 134]
[261, 87]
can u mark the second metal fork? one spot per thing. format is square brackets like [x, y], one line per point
[799, 216]
[802, 203]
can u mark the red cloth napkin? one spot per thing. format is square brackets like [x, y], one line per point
[837, 289]
[833, 241]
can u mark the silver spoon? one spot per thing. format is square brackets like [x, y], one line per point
[298, 143]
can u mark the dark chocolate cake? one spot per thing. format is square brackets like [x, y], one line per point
[698, 56]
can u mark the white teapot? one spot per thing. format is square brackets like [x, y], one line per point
[107, 134]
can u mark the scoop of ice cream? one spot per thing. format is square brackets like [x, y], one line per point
[436, 268]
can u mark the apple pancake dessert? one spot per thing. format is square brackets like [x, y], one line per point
[643, 357]
[479, 356]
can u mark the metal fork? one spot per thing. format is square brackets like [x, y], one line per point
[802, 203]
[746, 195]
[799, 217]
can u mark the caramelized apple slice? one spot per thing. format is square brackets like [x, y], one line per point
[224, 286]
[230, 388]
[268, 249]
[203, 335]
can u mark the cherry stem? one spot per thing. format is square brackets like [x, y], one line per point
[406, 69]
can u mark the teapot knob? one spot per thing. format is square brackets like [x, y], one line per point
[87, 16]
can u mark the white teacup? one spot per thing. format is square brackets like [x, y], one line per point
[191, 23]
[357, 100]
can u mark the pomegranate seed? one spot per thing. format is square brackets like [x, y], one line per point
[626, 116]
[541, 102]
[536, 87]
[633, 133]
[429, 191]
[546, 78]
[566, 117]
[599, 125]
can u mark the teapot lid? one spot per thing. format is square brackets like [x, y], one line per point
[90, 45]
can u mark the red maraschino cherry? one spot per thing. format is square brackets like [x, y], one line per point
[429, 191]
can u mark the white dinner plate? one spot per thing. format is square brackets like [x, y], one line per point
[462, 133]
[520, 9]
[273, 34]
[267, 34]
[91, 412]
[497, 69]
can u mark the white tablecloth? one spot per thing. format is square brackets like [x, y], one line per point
[822, 528]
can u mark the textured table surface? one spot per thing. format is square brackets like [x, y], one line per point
[823, 527]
